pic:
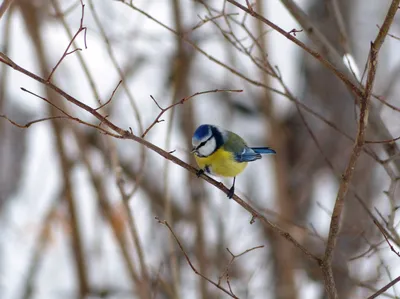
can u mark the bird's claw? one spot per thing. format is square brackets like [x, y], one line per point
[231, 192]
[199, 172]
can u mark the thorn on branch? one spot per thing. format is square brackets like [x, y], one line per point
[294, 31]
[250, 7]
[101, 122]
[383, 232]
[73, 51]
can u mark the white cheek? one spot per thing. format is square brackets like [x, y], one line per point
[208, 148]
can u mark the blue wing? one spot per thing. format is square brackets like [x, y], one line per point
[241, 152]
[252, 153]
[247, 155]
[263, 150]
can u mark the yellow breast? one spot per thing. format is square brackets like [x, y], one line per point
[221, 163]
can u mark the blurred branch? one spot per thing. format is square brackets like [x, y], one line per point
[131, 220]
[40, 246]
[359, 143]
[32, 20]
[384, 141]
[76, 233]
[111, 215]
[203, 52]
[334, 61]
[339, 72]
[4, 6]
[343, 36]
[116, 65]
[125, 87]
[5, 48]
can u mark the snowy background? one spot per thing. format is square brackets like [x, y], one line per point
[295, 189]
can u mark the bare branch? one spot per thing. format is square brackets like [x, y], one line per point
[66, 53]
[182, 101]
[386, 287]
[233, 257]
[357, 148]
[4, 6]
[111, 97]
[28, 124]
[383, 232]
[190, 263]
[384, 141]
[313, 53]
[128, 134]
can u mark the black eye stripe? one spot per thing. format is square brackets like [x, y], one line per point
[204, 142]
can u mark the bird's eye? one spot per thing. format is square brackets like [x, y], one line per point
[203, 143]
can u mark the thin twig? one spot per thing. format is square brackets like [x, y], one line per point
[190, 263]
[62, 15]
[233, 258]
[4, 6]
[391, 35]
[338, 72]
[383, 232]
[28, 124]
[182, 101]
[67, 11]
[381, 99]
[100, 25]
[66, 53]
[383, 289]
[384, 141]
[68, 116]
[111, 97]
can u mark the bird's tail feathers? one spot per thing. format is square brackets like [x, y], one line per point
[263, 150]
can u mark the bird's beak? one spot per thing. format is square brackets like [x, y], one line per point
[193, 150]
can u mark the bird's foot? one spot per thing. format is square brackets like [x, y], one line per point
[231, 192]
[199, 172]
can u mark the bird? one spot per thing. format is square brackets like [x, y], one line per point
[223, 153]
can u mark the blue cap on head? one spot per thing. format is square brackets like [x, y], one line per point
[203, 131]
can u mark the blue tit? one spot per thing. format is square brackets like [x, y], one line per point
[223, 153]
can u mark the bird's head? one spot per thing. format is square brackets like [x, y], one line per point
[206, 140]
